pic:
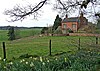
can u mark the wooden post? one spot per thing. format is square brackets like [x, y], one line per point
[96, 40]
[4, 51]
[79, 44]
[50, 47]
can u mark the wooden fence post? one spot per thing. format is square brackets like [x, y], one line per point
[4, 50]
[79, 44]
[96, 40]
[50, 47]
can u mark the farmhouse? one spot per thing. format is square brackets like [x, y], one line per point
[73, 23]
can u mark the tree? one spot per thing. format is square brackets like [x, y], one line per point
[11, 33]
[98, 24]
[62, 6]
[44, 30]
[57, 22]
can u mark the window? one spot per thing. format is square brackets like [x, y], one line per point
[73, 26]
[64, 26]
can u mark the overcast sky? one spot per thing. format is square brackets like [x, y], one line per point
[47, 16]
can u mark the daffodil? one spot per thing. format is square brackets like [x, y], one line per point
[34, 58]
[4, 67]
[11, 63]
[31, 65]
[0, 58]
[48, 61]
[43, 63]
[26, 62]
[65, 60]
[23, 60]
[30, 57]
[56, 59]
[41, 59]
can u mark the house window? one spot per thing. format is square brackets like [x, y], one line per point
[64, 26]
[73, 26]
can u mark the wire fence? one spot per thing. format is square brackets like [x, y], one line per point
[50, 45]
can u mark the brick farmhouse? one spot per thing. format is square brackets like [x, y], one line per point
[73, 23]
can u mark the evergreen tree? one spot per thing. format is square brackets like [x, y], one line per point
[57, 23]
[11, 33]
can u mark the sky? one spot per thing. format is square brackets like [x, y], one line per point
[47, 17]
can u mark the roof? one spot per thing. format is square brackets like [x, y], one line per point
[72, 19]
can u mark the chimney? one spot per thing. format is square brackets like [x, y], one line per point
[66, 16]
[81, 15]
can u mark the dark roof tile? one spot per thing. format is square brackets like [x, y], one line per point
[72, 19]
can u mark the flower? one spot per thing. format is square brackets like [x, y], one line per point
[30, 57]
[48, 61]
[4, 67]
[11, 63]
[4, 60]
[43, 63]
[23, 60]
[26, 62]
[34, 58]
[41, 59]
[56, 59]
[31, 65]
[65, 60]
[0, 58]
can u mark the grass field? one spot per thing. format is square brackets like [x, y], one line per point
[20, 33]
[40, 45]
[32, 53]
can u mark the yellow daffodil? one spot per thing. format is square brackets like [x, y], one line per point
[0, 58]
[65, 60]
[11, 63]
[41, 59]
[31, 65]
[26, 62]
[43, 63]
[48, 61]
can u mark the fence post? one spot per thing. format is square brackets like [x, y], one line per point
[4, 50]
[50, 47]
[79, 44]
[96, 40]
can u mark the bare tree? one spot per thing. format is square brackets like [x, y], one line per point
[20, 13]
[62, 6]
[84, 6]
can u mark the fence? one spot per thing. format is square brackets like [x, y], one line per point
[49, 45]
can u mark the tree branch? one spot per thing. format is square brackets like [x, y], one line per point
[20, 13]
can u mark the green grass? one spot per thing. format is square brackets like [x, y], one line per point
[29, 32]
[87, 59]
[80, 61]
[20, 33]
[40, 45]
[3, 35]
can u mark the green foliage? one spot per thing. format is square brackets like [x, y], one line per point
[44, 30]
[98, 24]
[57, 23]
[80, 61]
[11, 33]
[58, 31]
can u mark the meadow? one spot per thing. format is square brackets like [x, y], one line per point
[31, 53]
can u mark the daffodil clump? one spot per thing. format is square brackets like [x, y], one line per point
[81, 61]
